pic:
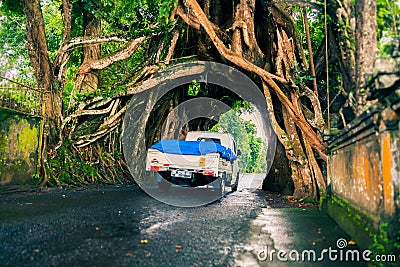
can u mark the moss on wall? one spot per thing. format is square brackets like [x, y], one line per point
[18, 148]
[358, 224]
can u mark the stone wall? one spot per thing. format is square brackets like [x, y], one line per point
[364, 163]
[354, 174]
[19, 142]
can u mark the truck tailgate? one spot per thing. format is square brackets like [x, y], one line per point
[157, 160]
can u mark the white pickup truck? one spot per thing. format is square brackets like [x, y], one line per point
[204, 159]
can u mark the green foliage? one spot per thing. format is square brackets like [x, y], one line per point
[301, 75]
[71, 166]
[14, 60]
[253, 157]
[113, 79]
[257, 161]
[194, 88]
[388, 20]
[384, 244]
[36, 177]
[231, 123]
[66, 167]
[236, 105]
[54, 26]
[12, 6]
[69, 83]
[165, 8]
[316, 26]
[128, 18]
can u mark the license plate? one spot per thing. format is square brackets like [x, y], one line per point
[181, 174]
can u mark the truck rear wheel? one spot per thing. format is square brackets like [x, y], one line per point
[234, 187]
[222, 185]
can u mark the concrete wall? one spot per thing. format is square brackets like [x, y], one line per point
[354, 174]
[364, 169]
[19, 143]
[364, 166]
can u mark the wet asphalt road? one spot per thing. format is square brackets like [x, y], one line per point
[119, 226]
[123, 226]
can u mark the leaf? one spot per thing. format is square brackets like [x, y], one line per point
[290, 198]
[352, 243]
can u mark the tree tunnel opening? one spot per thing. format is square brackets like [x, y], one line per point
[175, 97]
[239, 119]
[188, 97]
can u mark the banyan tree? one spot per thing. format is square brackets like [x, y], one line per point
[258, 37]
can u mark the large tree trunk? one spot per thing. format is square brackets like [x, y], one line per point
[38, 53]
[345, 35]
[60, 62]
[365, 46]
[91, 52]
[354, 30]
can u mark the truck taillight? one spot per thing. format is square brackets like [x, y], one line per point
[209, 173]
[154, 168]
[166, 165]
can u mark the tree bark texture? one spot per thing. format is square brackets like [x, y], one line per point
[38, 53]
[43, 72]
[91, 52]
[365, 47]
